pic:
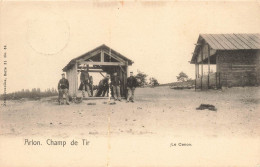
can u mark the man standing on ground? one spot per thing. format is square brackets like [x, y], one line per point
[116, 82]
[63, 87]
[106, 85]
[131, 85]
[84, 83]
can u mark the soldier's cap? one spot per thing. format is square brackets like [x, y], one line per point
[131, 72]
[63, 74]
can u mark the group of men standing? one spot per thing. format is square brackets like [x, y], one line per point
[103, 86]
[86, 83]
[115, 86]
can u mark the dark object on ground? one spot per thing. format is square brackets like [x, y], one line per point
[207, 106]
[77, 100]
[91, 104]
[182, 87]
[110, 103]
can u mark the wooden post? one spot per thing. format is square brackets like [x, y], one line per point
[69, 79]
[109, 91]
[219, 80]
[198, 67]
[201, 50]
[216, 80]
[198, 70]
[208, 63]
[127, 70]
[76, 80]
[109, 54]
[102, 56]
[217, 73]
[126, 76]
[195, 74]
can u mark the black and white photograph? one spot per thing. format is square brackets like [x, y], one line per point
[130, 83]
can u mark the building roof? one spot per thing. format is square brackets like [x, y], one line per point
[232, 41]
[228, 42]
[102, 47]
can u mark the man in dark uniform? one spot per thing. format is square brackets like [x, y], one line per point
[84, 83]
[116, 82]
[131, 85]
[63, 87]
[103, 87]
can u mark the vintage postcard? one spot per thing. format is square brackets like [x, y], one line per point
[129, 83]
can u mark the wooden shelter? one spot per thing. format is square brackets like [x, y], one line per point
[236, 56]
[98, 60]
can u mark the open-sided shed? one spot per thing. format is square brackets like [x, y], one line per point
[236, 56]
[100, 59]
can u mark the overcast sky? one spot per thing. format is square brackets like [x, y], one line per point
[159, 37]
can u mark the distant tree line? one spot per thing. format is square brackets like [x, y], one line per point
[33, 94]
[142, 80]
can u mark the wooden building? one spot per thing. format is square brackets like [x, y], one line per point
[236, 57]
[98, 60]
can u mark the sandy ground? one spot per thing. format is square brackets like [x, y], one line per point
[159, 114]
[157, 111]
